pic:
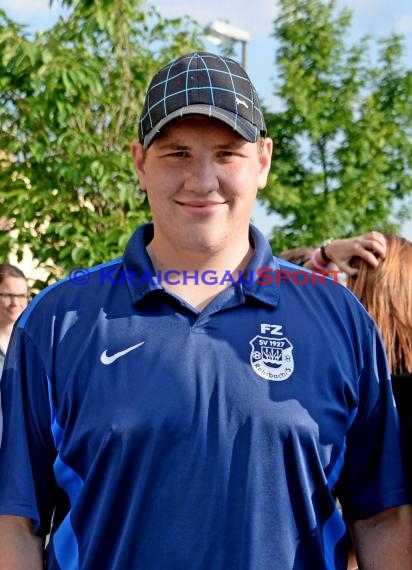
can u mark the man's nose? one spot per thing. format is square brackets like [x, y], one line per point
[202, 176]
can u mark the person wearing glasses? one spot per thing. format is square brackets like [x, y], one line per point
[14, 296]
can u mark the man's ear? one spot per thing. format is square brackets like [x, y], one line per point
[138, 155]
[265, 162]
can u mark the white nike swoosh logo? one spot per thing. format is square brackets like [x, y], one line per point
[105, 359]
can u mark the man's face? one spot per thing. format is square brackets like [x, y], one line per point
[201, 180]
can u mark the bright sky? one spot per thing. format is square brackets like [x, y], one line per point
[378, 18]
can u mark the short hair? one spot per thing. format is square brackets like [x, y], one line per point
[386, 294]
[9, 270]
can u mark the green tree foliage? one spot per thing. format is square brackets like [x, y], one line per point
[343, 147]
[70, 99]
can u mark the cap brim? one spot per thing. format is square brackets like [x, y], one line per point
[243, 127]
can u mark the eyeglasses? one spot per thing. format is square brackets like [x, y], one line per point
[19, 297]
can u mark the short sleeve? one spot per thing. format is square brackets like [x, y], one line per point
[373, 477]
[27, 452]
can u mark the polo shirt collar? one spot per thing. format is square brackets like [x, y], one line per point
[262, 266]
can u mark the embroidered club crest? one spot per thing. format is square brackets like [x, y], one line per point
[271, 358]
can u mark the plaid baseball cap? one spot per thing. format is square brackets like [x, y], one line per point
[204, 84]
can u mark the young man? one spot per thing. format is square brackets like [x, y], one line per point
[193, 405]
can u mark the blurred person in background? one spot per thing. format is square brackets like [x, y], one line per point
[14, 296]
[386, 292]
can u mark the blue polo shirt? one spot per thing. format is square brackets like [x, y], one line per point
[158, 437]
